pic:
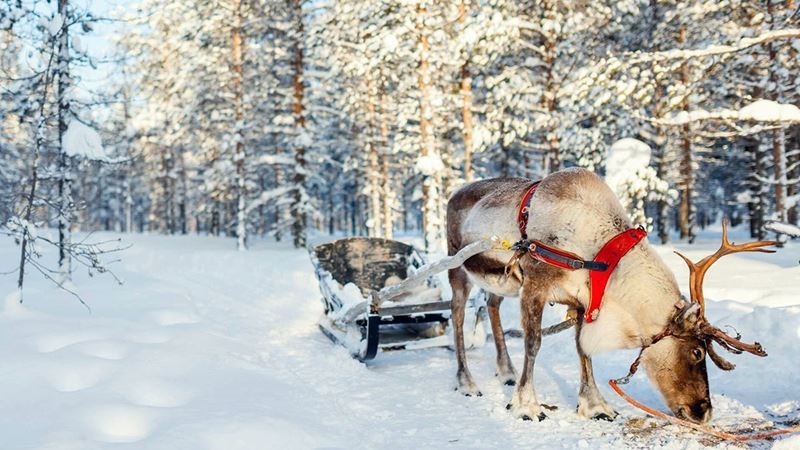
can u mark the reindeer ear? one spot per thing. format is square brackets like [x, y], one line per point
[721, 362]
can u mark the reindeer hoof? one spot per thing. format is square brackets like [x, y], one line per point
[604, 416]
[511, 382]
[469, 392]
[508, 407]
[541, 417]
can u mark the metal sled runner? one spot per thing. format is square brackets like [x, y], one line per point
[379, 294]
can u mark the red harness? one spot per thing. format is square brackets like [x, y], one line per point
[600, 268]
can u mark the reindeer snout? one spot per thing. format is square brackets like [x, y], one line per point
[698, 412]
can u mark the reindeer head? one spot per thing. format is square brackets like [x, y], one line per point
[676, 362]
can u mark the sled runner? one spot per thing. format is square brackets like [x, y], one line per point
[370, 304]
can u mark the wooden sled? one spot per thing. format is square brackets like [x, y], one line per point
[370, 303]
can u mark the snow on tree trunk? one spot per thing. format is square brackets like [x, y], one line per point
[686, 210]
[374, 222]
[778, 136]
[466, 100]
[388, 193]
[387, 199]
[300, 199]
[552, 158]
[64, 182]
[429, 164]
[660, 141]
[239, 155]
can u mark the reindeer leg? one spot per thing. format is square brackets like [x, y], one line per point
[505, 370]
[591, 403]
[524, 403]
[461, 286]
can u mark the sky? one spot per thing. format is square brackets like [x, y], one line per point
[100, 42]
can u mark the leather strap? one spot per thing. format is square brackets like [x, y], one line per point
[610, 254]
[557, 257]
[524, 207]
[600, 269]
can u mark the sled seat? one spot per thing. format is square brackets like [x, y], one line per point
[369, 263]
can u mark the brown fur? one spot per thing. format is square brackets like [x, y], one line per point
[683, 386]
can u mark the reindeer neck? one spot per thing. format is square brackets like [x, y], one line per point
[638, 303]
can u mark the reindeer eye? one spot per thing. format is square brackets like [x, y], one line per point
[698, 354]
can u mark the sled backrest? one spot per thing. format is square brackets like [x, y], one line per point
[367, 262]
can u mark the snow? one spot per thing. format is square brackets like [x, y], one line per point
[770, 111]
[783, 228]
[625, 157]
[790, 443]
[758, 111]
[54, 25]
[714, 50]
[209, 348]
[429, 165]
[83, 142]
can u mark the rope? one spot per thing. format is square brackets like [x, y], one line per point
[698, 427]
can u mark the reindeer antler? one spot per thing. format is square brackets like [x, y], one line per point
[697, 272]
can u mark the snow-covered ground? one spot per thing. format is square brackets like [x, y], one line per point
[205, 347]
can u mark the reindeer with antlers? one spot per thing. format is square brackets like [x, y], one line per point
[625, 296]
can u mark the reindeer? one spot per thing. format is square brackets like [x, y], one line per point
[575, 211]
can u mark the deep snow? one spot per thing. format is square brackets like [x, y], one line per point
[205, 347]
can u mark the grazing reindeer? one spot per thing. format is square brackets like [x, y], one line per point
[573, 212]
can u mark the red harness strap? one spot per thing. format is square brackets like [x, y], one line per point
[524, 207]
[600, 269]
[610, 254]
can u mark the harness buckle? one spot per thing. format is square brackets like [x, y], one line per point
[576, 264]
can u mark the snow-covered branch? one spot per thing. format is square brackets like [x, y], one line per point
[714, 50]
[759, 111]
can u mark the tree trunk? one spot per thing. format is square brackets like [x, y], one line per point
[239, 155]
[298, 206]
[792, 189]
[466, 101]
[686, 210]
[39, 143]
[431, 179]
[375, 223]
[552, 159]
[64, 181]
[778, 135]
[385, 180]
[756, 204]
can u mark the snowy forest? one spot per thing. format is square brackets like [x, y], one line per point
[182, 182]
[250, 118]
